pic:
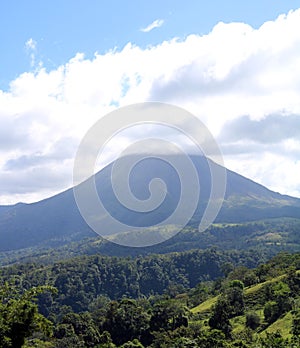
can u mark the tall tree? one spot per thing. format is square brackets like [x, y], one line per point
[220, 317]
[19, 316]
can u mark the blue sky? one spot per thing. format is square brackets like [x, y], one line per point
[61, 28]
[65, 63]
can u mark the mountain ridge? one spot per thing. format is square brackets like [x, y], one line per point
[57, 218]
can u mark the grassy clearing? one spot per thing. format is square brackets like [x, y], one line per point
[238, 324]
[250, 291]
[283, 325]
[205, 306]
[255, 288]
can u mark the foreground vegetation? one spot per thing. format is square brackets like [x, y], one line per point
[189, 299]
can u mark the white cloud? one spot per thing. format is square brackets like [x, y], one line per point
[236, 79]
[155, 24]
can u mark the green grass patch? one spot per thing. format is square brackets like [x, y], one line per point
[238, 324]
[256, 288]
[283, 325]
[250, 291]
[205, 306]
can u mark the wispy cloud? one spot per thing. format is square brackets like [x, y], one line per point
[30, 46]
[155, 24]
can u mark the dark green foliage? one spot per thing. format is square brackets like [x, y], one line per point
[236, 284]
[213, 339]
[282, 295]
[271, 311]
[279, 301]
[199, 294]
[252, 320]
[106, 341]
[80, 280]
[132, 344]
[235, 298]
[220, 317]
[273, 340]
[296, 323]
[168, 315]
[252, 237]
[19, 317]
[293, 281]
[125, 321]
[66, 337]
[156, 321]
[180, 337]
[80, 325]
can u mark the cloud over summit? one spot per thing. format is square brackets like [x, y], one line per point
[231, 72]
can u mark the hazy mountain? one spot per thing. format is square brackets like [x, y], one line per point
[56, 220]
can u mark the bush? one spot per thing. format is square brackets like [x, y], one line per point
[252, 320]
[271, 312]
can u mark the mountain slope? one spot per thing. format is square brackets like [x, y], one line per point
[56, 220]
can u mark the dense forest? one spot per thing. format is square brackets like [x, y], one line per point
[269, 236]
[185, 299]
[80, 280]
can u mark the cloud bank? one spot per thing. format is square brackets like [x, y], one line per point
[244, 84]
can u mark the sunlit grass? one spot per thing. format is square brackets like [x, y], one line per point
[283, 325]
[205, 306]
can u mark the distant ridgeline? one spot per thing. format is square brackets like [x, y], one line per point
[56, 221]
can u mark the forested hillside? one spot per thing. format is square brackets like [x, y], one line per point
[80, 280]
[189, 299]
[269, 236]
